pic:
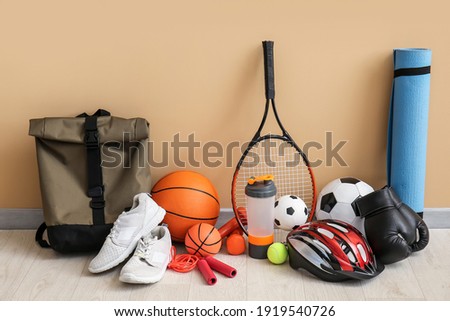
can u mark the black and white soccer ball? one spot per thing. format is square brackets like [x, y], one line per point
[335, 199]
[290, 212]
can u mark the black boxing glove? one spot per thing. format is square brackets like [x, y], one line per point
[391, 226]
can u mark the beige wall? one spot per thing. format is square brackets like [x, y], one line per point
[196, 67]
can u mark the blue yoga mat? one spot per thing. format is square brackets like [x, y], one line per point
[408, 125]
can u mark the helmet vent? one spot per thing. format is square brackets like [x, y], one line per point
[321, 245]
[362, 252]
[325, 232]
[351, 257]
[338, 227]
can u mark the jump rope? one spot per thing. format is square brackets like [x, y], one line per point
[184, 263]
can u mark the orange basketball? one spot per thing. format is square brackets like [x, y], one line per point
[203, 239]
[188, 198]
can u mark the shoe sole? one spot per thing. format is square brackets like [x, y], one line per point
[133, 279]
[144, 231]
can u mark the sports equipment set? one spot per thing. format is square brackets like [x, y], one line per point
[331, 242]
[347, 231]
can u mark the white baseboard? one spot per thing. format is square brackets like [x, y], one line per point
[31, 218]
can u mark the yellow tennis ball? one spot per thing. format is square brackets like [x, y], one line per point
[277, 253]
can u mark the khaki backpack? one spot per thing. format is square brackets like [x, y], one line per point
[90, 167]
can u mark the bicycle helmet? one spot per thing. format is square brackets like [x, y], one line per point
[333, 251]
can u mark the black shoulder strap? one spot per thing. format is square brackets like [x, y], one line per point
[102, 112]
[99, 112]
[95, 177]
[39, 237]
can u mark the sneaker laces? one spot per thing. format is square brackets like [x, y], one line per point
[114, 230]
[144, 249]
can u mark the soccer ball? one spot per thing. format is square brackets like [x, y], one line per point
[290, 212]
[335, 199]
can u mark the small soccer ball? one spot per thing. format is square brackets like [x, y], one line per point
[290, 212]
[335, 199]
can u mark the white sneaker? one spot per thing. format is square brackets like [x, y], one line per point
[129, 227]
[150, 259]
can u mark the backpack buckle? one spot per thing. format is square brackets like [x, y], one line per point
[91, 139]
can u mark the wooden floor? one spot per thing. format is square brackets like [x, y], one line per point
[28, 272]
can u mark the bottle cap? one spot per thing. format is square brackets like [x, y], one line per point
[261, 187]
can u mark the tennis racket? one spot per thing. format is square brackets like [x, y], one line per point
[273, 154]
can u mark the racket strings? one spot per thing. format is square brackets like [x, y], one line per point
[279, 158]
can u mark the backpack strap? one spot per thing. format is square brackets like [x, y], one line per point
[99, 112]
[39, 236]
[95, 177]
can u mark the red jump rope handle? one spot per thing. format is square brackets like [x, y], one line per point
[221, 267]
[206, 271]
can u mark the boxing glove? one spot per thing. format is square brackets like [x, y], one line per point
[392, 228]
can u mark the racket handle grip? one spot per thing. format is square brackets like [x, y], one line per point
[228, 227]
[269, 74]
[221, 267]
[206, 272]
